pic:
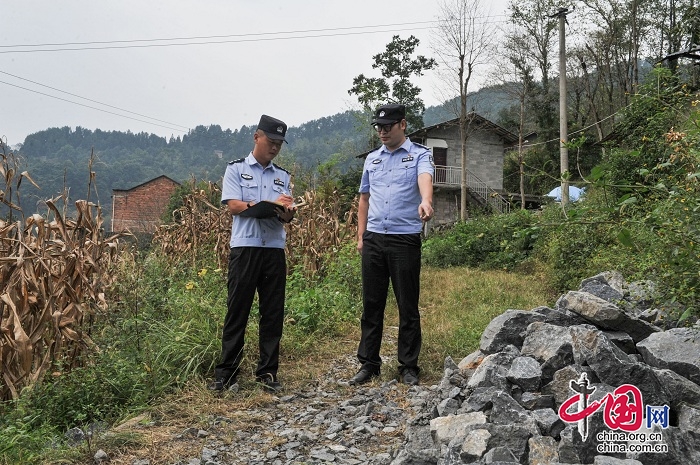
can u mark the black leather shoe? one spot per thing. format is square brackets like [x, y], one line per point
[410, 377]
[363, 376]
[221, 384]
[270, 383]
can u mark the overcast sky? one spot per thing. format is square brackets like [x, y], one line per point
[294, 60]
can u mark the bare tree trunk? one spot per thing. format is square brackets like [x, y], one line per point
[521, 162]
[463, 127]
[463, 214]
[463, 42]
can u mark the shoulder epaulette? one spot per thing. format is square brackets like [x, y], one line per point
[375, 149]
[280, 168]
[421, 145]
[236, 161]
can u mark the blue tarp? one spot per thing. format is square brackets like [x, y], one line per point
[574, 193]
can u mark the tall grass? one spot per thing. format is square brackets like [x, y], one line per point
[458, 303]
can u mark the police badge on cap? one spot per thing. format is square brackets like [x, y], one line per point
[272, 127]
[389, 114]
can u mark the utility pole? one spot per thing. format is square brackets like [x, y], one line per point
[563, 129]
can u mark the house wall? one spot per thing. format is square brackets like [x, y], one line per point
[485, 154]
[446, 206]
[140, 209]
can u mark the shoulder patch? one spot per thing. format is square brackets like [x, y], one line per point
[236, 161]
[280, 168]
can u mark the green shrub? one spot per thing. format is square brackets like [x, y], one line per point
[658, 107]
[327, 300]
[491, 242]
[567, 246]
[101, 392]
[23, 433]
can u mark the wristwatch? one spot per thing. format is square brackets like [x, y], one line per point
[247, 205]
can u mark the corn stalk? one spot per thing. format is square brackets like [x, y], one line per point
[53, 272]
[318, 230]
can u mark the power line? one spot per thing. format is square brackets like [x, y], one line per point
[90, 100]
[235, 38]
[91, 107]
[304, 31]
[209, 42]
[145, 43]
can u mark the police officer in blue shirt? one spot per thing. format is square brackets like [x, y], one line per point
[257, 260]
[396, 198]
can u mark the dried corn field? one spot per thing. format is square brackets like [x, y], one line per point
[55, 270]
[319, 229]
[199, 227]
[53, 274]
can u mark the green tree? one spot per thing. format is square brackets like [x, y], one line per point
[397, 66]
[539, 34]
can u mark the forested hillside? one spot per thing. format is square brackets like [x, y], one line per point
[58, 157]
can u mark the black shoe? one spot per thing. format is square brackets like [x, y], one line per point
[410, 377]
[221, 384]
[363, 376]
[270, 383]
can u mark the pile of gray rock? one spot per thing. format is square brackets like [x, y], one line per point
[501, 404]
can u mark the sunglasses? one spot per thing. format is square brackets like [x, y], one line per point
[385, 127]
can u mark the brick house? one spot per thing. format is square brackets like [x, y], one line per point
[486, 147]
[140, 208]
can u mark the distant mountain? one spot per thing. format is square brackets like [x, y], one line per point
[488, 102]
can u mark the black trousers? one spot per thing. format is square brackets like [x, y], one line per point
[251, 269]
[395, 257]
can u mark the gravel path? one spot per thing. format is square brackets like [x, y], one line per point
[330, 422]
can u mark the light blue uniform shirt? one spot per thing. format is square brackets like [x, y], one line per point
[391, 178]
[247, 180]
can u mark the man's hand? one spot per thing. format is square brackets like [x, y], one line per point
[286, 200]
[286, 212]
[425, 210]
